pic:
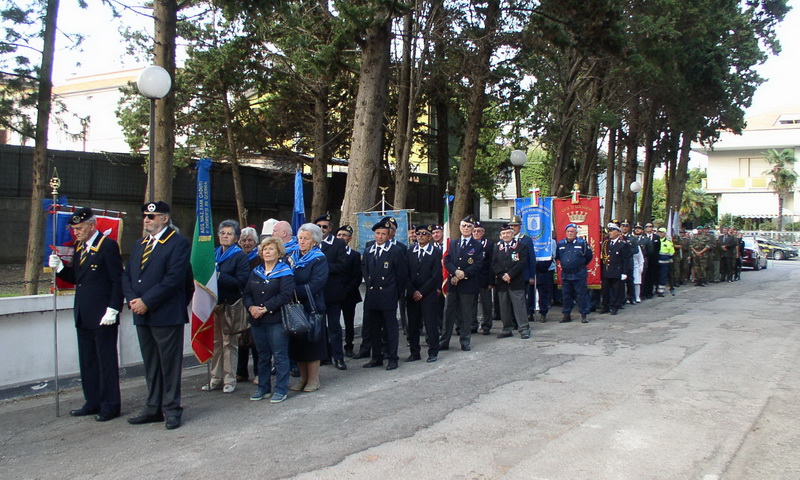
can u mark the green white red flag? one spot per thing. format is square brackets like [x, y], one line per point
[204, 268]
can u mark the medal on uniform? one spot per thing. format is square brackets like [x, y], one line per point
[470, 261]
[385, 264]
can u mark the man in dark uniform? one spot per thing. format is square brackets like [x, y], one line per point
[384, 268]
[727, 265]
[422, 297]
[617, 262]
[463, 262]
[630, 290]
[352, 294]
[336, 254]
[158, 286]
[508, 265]
[530, 267]
[573, 254]
[96, 271]
[485, 281]
[650, 275]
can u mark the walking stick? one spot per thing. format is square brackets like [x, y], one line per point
[55, 182]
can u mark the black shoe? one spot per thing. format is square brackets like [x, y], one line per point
[505, 335]
[173, 422]
[83, 412]
[348, 352]
[414, 357]
[373, 364]
[543, 318]
[531, 317]
[104, 417]
[295, 372]
[613, 312]
[432, 358]
[486, 331]
[392, 365]
[143, 418]
[565, 319]
[327, 361]
[466, 348]
[525, 335]
[339, 364]
[584, 319]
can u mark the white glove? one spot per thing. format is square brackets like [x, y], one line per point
[56, 263]
[110, 318]
[623, 277]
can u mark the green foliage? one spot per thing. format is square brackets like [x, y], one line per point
[783, 175]
[697, 207]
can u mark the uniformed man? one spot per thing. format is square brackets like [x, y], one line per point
[701, 248]
[422, 293]
[336, 254]
[573, 254]
[437, 235]
[617, 262]
[664, 261]
[485, 281]
[383, 266]
[530, 268]
[158, 285]
[713, 263]
[352, 294]
[650, 274]
[686, 256]
[627, 235]
[96, 271]
[509, 258]
[728, 244]
[463, 262]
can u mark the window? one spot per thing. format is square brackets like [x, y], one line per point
[752, 167]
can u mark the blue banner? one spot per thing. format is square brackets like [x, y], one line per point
[537, 223]
[299, 211]
[63, 237]
[205, 228]
[367, 219]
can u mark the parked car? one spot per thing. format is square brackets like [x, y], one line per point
[753, 256]
[776, 250]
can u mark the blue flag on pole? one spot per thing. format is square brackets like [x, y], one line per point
[299, 212]
[537, 223]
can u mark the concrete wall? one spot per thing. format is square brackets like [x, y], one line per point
[27, 347]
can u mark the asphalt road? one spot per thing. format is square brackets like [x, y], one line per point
[703, 385]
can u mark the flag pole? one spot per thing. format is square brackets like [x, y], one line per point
[55, 182]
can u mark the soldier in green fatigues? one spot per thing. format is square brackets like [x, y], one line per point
[701, 254]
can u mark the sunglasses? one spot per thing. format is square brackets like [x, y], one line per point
[423, 234]
[324, 227]
[151, 216]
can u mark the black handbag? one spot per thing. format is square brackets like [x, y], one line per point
[315, 318]
[295, 321]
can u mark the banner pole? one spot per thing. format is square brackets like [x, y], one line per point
[55, 182]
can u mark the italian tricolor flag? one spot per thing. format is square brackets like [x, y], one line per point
[204, 269]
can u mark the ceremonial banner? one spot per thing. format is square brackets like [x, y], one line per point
[366, 220]
[299, 212]
[586, 215]
[446, 240]
[203, 268]
[108, 223]
[537, 223]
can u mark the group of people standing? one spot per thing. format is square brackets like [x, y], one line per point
[438, 288]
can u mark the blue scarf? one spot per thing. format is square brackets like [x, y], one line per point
[228, 253]
[280, 270]
[291, 246]
[252, 255]
[300, 262]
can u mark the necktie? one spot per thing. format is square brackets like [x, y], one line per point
[84, 252]
[148, 249]
[463, 243]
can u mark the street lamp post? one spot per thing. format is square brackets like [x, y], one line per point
[635, 187]
[154, 82]
[518, 159]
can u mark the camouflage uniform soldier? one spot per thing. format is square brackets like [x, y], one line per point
[716, 248]
[675, 272]
[701, 253]
[686, 248]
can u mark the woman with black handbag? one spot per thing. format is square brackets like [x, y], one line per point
[310, 276]
[233, 269]
[270, 287]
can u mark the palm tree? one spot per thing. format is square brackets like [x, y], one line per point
[697, 206]
[783, 176]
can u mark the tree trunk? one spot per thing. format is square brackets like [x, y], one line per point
[780, 212]
[681, 174]
[165, 17]
[476, 103]
[646, 205]
[34, 254]
[439, 100]
[402, 145]
[631, 170]
[319, 169]
[611, 162]
[563, 171]
[234, 158]
[366, 147]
